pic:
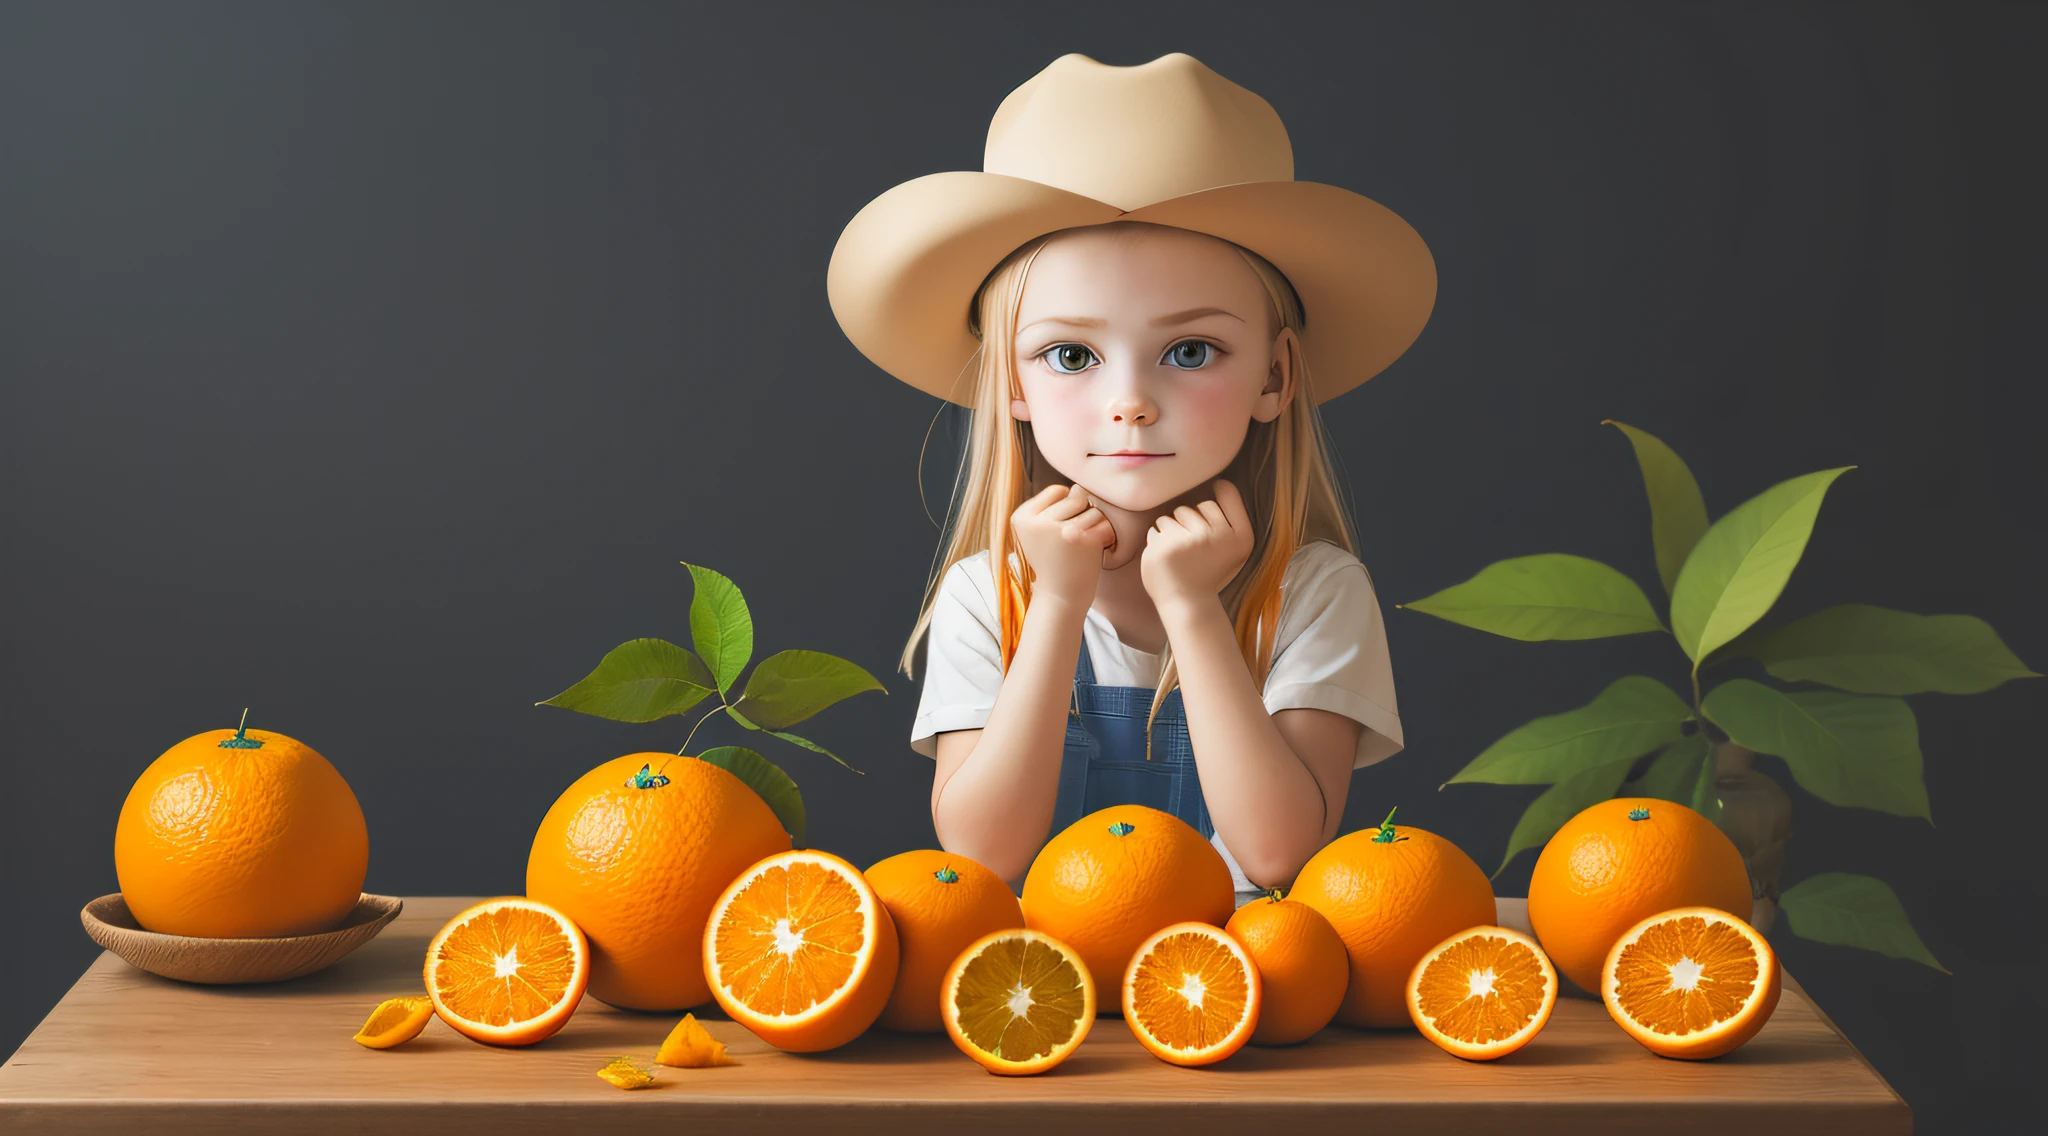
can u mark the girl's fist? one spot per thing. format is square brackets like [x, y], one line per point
[1190, 554]
[1063, 535]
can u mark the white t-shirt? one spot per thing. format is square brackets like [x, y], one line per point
[1330, 654]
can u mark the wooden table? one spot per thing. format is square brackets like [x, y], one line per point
[130, 1053]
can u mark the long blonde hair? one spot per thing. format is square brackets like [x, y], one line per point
[1283, 470]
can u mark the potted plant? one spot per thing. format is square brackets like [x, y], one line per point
[1840, 725]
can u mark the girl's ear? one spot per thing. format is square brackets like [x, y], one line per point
[1281, 382]
[1020, 410]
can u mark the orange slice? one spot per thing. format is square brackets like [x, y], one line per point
[1018, 1001]
[396, 1021]
[508, 971]
[1483, 992]
[1692, 982]
[1191, 994]
[800, 950]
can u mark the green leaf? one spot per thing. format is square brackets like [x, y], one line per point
[1706, 797]
[1854, 911]
[808, 744]
[1552, 595]
[1739, 567]
[1875, 650]
[1678, 514]
[1674, 773]
[1633, 716]
[720, 625]
[790, 686]
[639, 681]
[1846, 749]
[1560, 803]
[768, 781]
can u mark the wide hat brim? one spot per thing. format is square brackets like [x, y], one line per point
[906, 268]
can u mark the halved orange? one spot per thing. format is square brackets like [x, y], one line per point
[1017, 1000]
[508, 971]
[1483, 992]
[800, 950]
[1192, 993]
[396, 1021]
[1692, 982]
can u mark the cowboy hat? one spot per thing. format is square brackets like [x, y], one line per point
[1084, 143]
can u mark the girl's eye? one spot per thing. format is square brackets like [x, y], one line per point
[1068, 358]
[1189, 354]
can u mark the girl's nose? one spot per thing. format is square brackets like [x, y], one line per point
[1129, 410]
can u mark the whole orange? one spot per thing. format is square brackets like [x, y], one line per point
[1302, 967]
[636, 852]
[941, 903]
[1117, 875]
[241, 833]
[1392, 893]
[1620, 862]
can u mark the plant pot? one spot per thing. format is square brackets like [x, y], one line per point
[1756, 813]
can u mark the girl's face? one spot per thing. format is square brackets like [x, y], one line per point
[1144, 355]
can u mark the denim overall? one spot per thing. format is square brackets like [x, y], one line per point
[1104, 760]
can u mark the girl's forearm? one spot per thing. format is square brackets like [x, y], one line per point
[997, 807]
[1265, 803]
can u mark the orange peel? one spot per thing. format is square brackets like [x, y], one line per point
[396, 1021]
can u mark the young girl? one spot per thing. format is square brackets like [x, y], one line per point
[1180, 619]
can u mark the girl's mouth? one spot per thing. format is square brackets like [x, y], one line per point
[1128, 458]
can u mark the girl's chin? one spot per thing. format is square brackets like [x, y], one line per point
[1134, 496]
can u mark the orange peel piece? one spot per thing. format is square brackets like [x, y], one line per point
[691, 1046]
[628, 1073]
[396, 1021]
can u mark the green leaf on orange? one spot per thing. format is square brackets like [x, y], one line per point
[808, 744]
[639, 681]
[790, 686]
[767, 780]
[721, 627]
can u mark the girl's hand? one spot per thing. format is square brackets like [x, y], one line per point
[1190, 555]
[1063, 535]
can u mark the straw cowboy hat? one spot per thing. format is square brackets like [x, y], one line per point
[1083, 143]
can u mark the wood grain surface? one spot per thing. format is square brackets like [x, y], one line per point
[131, 1053]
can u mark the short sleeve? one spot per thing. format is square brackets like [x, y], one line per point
[1331, 650]
[963, 658]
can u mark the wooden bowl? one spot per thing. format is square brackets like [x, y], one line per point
[218, 961]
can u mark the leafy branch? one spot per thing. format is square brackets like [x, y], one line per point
[642, 680]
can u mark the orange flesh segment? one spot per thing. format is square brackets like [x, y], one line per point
[397, 1019]
[1686, 974]
[1019, 999]
[1190, 992]
[790, 939]
[505, 966]
[1482, 989]
[690, 1046]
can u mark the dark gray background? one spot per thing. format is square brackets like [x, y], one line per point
[374, 366]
